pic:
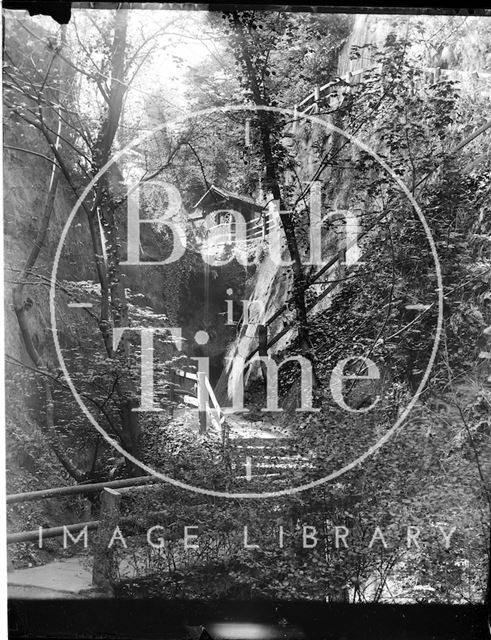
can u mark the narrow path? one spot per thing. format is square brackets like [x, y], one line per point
[263, 449]
[241, 427]
[70, 578]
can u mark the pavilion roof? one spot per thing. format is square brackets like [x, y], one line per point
[215, 194]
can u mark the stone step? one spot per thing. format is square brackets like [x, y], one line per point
[260, 476]
[258, 450]
[275, 471]
[258, 441]
[293, 458]
[267, 455]
[276, 463]
[266, 466]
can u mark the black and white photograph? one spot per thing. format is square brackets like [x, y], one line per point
[247, 320]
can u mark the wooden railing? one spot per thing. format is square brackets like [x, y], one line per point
[77, 489]
[104, 571]
[224, 233]
[333, 93]
[201, 398]
[105, 566]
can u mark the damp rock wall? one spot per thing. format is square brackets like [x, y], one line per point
[440, 42]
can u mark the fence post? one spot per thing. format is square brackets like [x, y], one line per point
[316, 99]
[10, 564]
[248, 133]
[105, 568]
[202, 394]
[172, 390]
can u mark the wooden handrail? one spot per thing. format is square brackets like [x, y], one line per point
[58, 492]
[311, 99]
[194, 400]
[186, 374]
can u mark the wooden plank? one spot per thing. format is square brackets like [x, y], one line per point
[305, 100]
[202, 393]
[256, 235]
[190, 400]
[257, 225]
[186, 374]
[220, 418]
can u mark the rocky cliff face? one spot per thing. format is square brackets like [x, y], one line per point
[463, 60]
[25, 188]
[271, 287]
[30, 465]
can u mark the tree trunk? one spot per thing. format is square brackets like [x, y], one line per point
[114, 308]
[272, 182]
